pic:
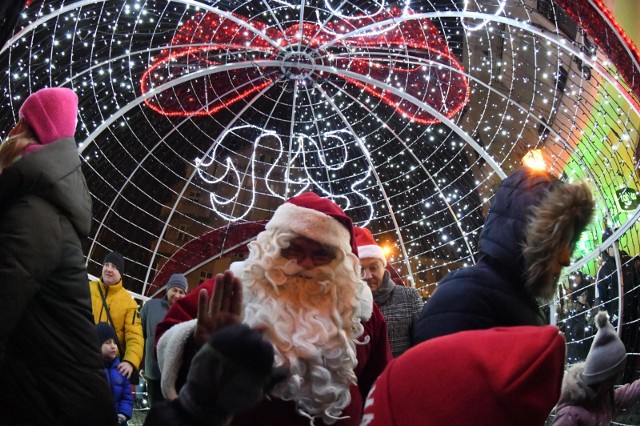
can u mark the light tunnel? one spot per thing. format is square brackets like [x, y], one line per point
[198, 118]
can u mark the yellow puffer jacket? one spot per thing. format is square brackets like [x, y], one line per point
[126, 319]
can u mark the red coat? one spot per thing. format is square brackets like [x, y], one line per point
[372, 359]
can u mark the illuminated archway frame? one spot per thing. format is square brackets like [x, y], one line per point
[468, 140]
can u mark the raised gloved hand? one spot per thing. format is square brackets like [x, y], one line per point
[229, 374]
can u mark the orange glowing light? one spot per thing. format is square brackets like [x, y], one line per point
[534, 160]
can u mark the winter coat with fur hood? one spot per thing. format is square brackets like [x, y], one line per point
[575, 407]
[49, 354]
[529, 218]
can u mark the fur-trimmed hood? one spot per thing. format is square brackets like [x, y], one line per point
[573, 390]
[532, 214]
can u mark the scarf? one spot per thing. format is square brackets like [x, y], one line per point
[383, 293]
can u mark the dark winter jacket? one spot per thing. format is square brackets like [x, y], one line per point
[519, 240]
[152, 312]
[50, 359]
[120, 388]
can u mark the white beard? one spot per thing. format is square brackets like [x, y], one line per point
[312, 321]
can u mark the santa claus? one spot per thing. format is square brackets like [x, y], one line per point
[301, 286]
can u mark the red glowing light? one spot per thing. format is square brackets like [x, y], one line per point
[433, 75]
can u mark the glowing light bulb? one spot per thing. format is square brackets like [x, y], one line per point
[534, 160]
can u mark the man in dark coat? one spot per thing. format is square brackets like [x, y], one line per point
[52, 371]
[152, 312]
[607, 283]
[533, 222]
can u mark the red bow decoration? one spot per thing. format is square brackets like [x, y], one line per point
[409, 54]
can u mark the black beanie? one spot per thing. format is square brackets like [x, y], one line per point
[105, 332]
[116, 259]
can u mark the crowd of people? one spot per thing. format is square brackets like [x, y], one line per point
[309, 329]
[582, 296]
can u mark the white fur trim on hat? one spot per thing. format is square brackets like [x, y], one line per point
[170, 353]
[372, 252]
[312, 224]
[365, 300]
[238, 268]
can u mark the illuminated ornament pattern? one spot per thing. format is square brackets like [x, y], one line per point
[307, 156]
[220, 59]
[244, 59]
[407, 113]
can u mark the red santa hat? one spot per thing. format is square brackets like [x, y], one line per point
[505, 376]
[52, 114]
[367, 247]
[317, 218]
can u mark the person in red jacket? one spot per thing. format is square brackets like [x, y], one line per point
[502, 376]
[302, 287]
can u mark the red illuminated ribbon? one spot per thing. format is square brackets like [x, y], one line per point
[431, 74]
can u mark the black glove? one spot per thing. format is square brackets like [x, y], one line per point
[229, 374]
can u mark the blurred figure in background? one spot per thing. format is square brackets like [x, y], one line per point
[608, 298]
[49, 354]
[578, 322]
[584, 283]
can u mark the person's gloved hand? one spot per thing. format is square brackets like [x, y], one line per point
[229, 374]
[121, 418]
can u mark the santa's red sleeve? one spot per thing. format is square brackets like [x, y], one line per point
[374, 356]
[175, 346]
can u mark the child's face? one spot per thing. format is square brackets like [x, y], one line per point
[109, 349]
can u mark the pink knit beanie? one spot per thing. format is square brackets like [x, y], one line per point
[52, 113]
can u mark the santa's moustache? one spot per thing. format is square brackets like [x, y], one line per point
[309, 315]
